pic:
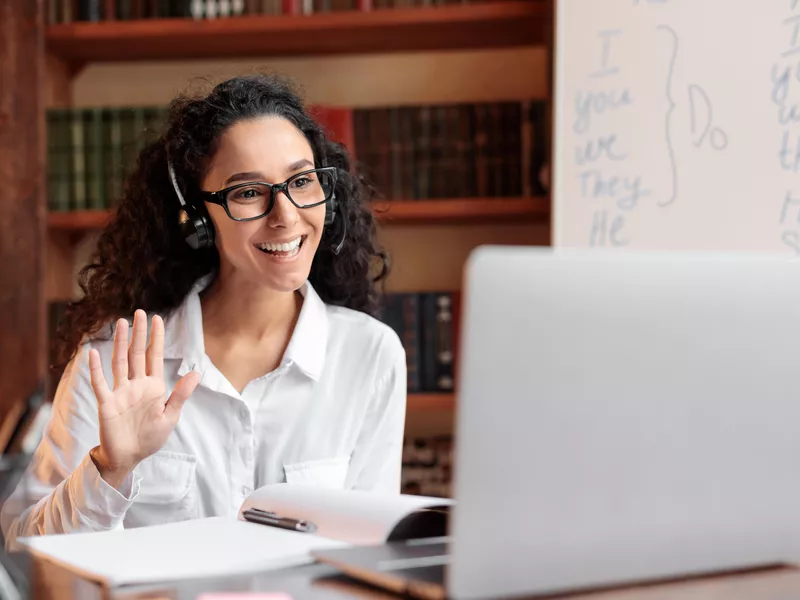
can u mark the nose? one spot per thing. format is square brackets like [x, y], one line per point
[283, 213]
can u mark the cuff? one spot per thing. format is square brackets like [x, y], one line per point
[98, 502]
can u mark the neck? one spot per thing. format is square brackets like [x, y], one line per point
[245, 310]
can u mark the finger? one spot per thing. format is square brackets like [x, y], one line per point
[119, 360]
[155, 351]
[99, 384]
[136, 351]
[180, 395]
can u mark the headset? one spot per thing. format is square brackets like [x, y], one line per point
[198, 231]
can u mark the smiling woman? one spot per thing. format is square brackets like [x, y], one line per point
[245, 239]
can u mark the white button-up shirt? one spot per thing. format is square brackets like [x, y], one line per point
[332, 414]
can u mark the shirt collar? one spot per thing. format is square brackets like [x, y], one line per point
[183, 333]
[310, 337]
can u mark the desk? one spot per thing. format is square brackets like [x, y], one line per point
[319, 582]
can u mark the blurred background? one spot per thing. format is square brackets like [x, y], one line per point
[444, 104]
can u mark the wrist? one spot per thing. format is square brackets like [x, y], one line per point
[114, 473]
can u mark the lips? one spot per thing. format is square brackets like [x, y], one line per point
[282, 249]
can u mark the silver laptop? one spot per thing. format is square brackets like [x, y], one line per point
[621, 418]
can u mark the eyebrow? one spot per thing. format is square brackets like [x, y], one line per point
[247, 176]
[258, 176]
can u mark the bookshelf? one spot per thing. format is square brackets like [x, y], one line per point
[448, 27]
[429, 239]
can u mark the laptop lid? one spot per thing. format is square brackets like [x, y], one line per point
[624, 417]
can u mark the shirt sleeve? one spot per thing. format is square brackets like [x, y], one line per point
[61, 491]
[377, 460]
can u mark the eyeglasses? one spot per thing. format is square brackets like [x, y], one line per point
[254, 200]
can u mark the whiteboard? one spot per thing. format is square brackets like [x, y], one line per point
[677, 125]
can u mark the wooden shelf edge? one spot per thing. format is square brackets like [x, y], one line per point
[393, 212]
[463, 210]
[430, 401]
[79, 220]
[501, 23]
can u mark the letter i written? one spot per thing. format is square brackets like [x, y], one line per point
[606, 69]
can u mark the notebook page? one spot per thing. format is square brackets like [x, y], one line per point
[351, 516]
[211, 547]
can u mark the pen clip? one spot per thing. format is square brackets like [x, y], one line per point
[262, 512]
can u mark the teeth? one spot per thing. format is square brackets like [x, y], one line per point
[287, 247]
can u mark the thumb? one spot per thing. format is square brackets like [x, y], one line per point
[184, 388]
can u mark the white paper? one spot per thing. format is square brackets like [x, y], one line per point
[216, 546]
[357, 517]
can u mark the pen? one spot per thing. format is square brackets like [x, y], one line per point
[262, 517]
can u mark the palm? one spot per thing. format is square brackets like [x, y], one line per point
[136, 418]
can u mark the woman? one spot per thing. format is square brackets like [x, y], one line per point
[244, 227]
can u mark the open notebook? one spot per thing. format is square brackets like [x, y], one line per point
[220, 546]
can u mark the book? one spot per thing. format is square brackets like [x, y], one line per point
[223, 546]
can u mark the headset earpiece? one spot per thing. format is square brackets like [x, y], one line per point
[195, 226]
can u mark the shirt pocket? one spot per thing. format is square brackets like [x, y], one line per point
[326, 473]
[167, 489]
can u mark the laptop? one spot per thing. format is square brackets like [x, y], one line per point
[621, 417]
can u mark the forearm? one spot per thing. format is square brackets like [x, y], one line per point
[83, 501]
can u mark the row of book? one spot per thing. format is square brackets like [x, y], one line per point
[67, 11]
[428, 466]
[475, 150]
[91, 150]
[464, 150]
[427, 324]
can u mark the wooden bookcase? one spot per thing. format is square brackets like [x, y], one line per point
[382, 34]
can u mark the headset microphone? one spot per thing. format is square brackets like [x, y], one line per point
[338, 247]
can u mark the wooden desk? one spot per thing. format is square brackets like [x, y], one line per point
[319, 582]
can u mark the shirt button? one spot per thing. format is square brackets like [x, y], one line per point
[244, 415]
[247, 453]
[245, 490]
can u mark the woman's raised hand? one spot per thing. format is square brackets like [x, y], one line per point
[136, 417]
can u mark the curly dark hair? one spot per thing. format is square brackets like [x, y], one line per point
[142, 260]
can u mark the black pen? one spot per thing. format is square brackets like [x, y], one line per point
[262, 517]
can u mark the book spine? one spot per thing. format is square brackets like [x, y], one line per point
[115, 156]
[452, 169]
[437, 344]
[411, 342]
[52, 153]
[539, 147]
[422, 153]
[396, 150]
[428, 320]
[125, 10]
[381, 131]
[512, 151]
[129, 140]
[292, 7]
[444, 342]
[197, 9]
[63, 158]
[54, 13]
[78, 175]
[95, 180]
[401, 313]
[90, 10]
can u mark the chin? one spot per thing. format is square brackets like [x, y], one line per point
[285, 282]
